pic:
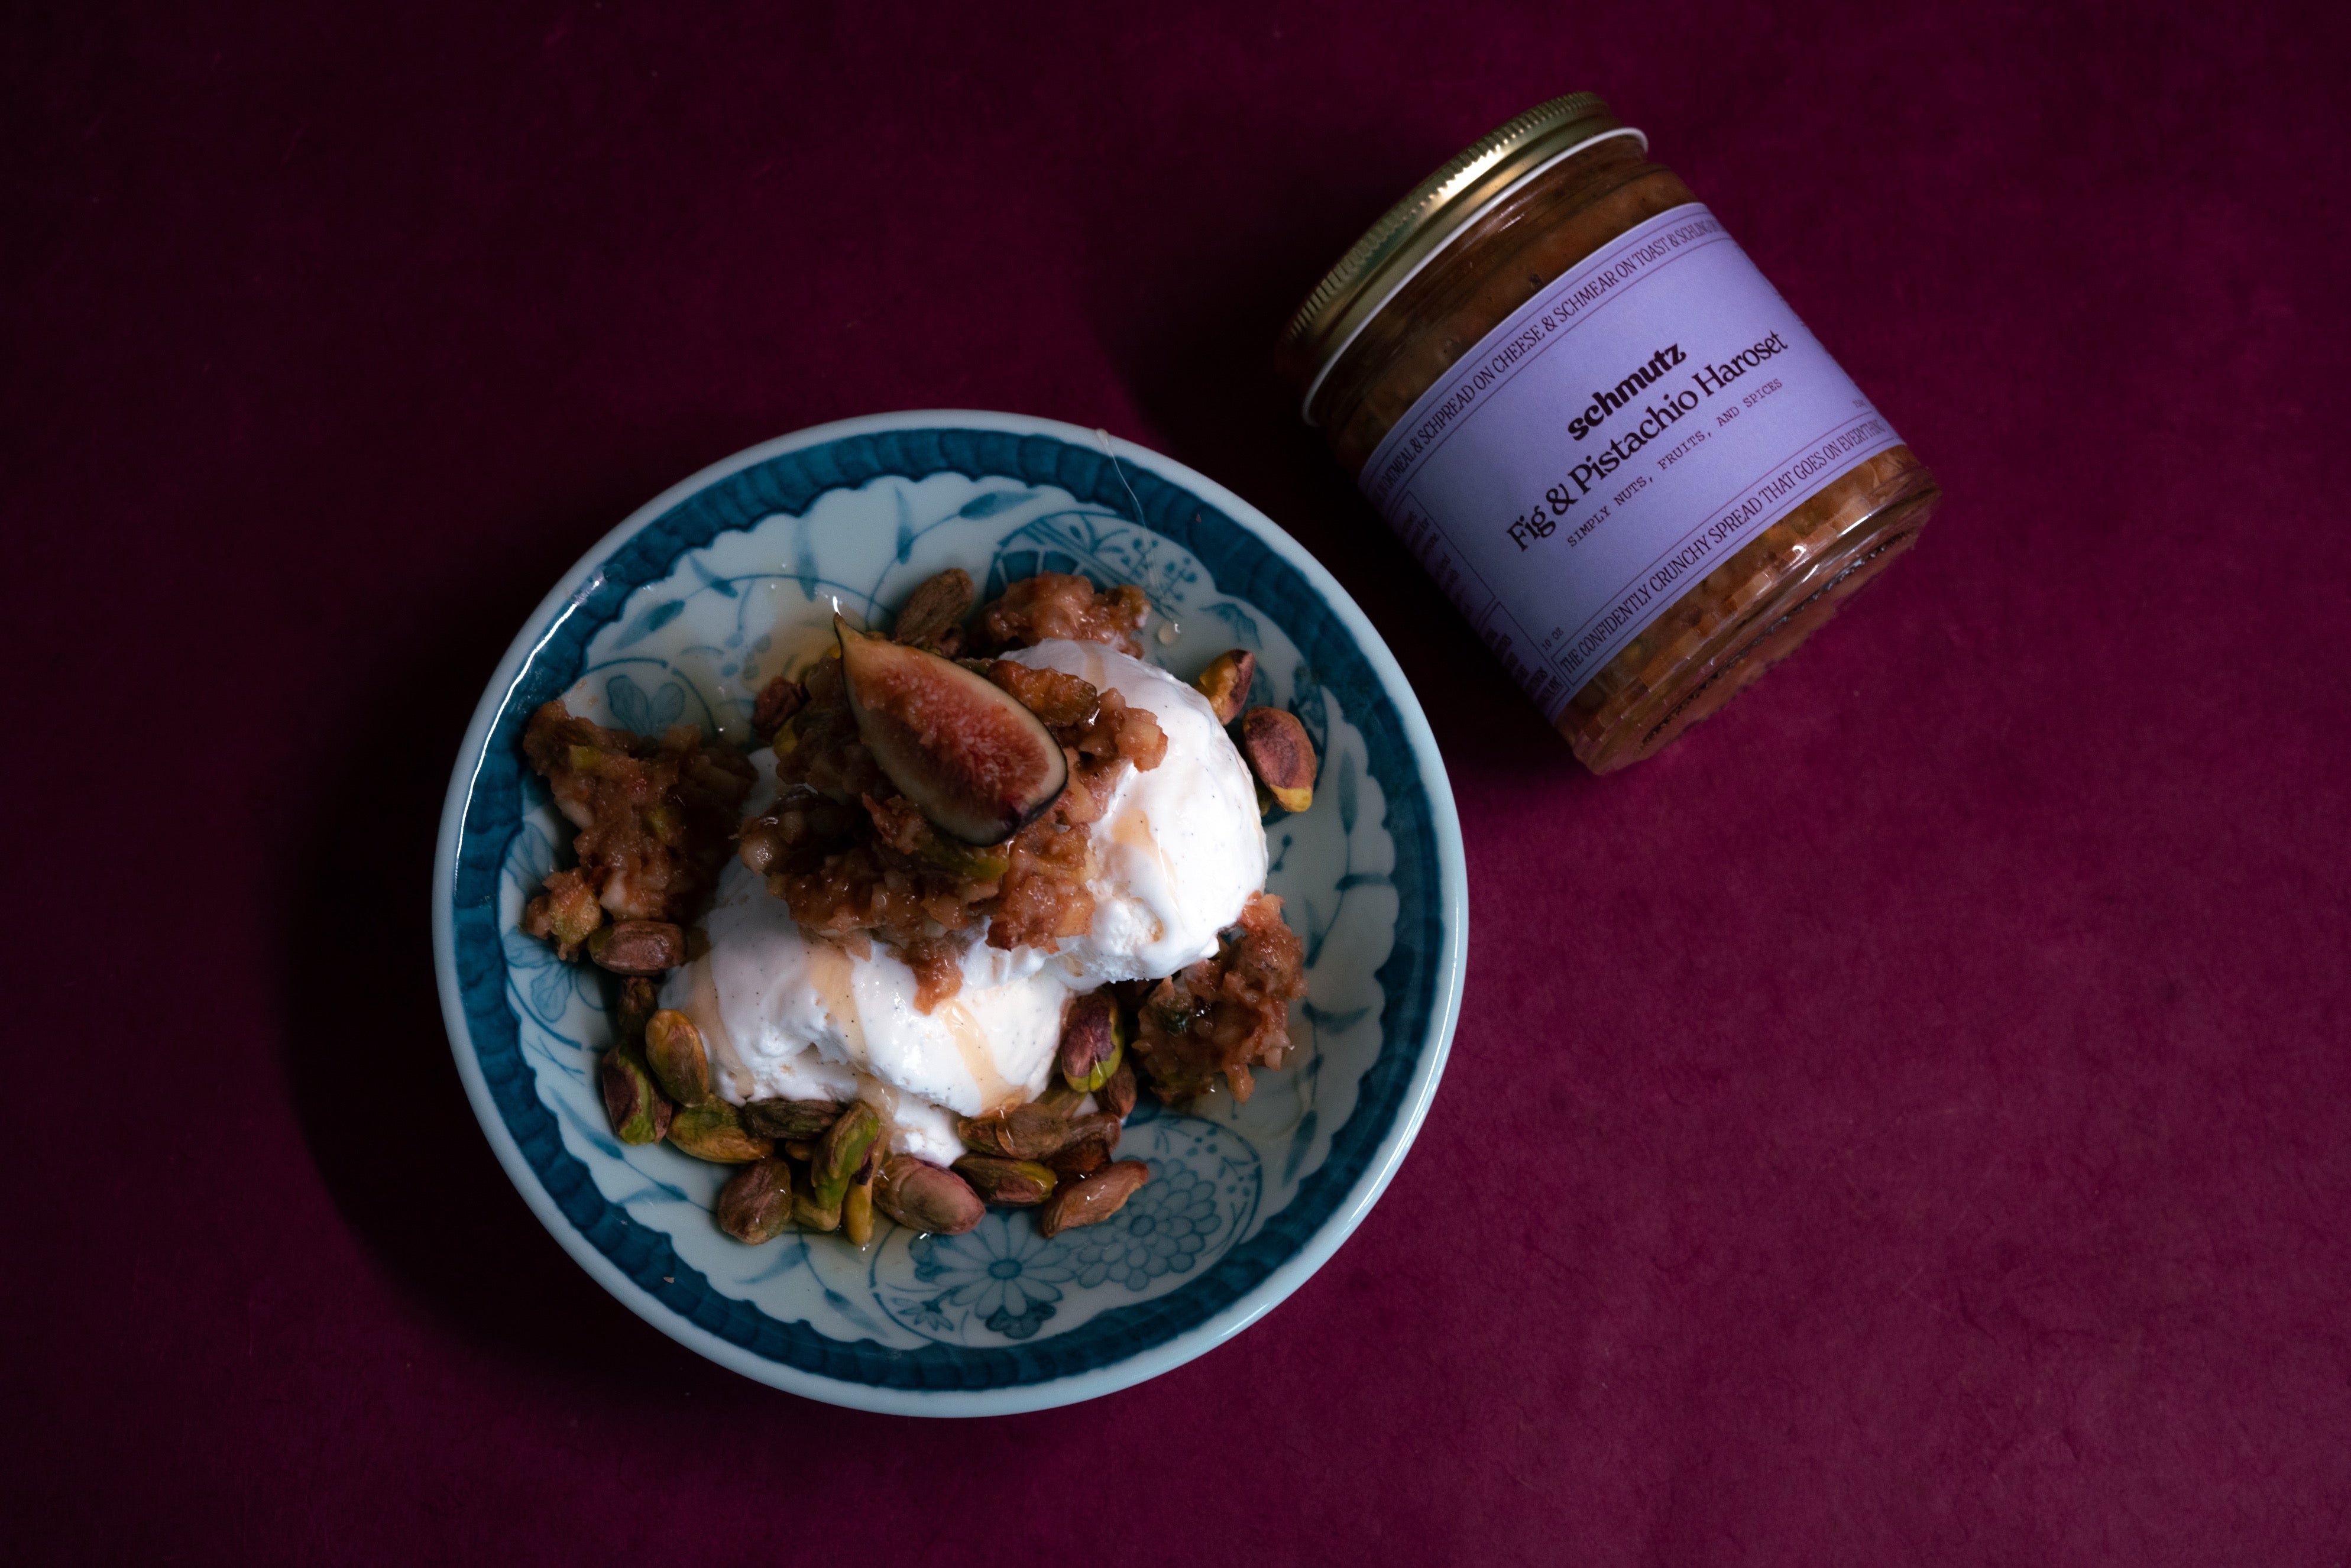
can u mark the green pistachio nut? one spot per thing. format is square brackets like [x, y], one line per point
[1116, 1096]
[927, 1197]
[639, 1000]
[756, 1204]
[1094, 1042]
[1091, 1141]
[714, 1132]
[674, 1049]
[638, 1113]
[1009, 1183]
[1092, 1199]
[1282, 755]
[857, 1213]
[832, 1166]
[638, 947]
[811, 1214]
[1059, 1098]
[790, 1120]
[1030, 1132]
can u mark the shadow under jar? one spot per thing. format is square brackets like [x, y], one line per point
[1600, 428]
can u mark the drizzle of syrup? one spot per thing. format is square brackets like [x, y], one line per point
[971, 1043]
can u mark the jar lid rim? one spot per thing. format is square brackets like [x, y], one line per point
[1414, 230]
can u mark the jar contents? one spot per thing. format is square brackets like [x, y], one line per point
[1601, 429]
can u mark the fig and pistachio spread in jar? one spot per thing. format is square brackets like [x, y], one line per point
[1600, 428]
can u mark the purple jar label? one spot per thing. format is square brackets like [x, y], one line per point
[1621, 435]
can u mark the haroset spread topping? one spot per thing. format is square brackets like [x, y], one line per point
[1600, 428]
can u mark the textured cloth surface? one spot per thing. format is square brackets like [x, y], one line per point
[1905, 1123]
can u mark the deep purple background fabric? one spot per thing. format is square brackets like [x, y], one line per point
[1905, 1123]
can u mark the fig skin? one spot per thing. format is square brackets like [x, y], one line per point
[976, 764]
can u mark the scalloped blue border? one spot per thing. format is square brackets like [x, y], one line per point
[790, 483]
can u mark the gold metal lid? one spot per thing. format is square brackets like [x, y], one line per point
[1416, 228]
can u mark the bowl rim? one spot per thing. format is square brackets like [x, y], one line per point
[564, 599]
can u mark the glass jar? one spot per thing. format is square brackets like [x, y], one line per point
[1600, 428]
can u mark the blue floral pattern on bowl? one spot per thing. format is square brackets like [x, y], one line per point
[1005, 1281]
[731, 581]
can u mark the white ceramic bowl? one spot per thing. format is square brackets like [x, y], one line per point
[682, 612]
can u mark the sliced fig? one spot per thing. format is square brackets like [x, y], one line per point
[976, 764]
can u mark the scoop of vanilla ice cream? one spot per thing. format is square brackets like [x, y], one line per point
[785, 1017]
[1180, 847]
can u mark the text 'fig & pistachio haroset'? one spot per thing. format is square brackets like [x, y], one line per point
[1630, 465]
